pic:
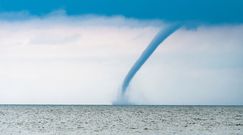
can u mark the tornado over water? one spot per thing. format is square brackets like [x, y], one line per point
[160, 37]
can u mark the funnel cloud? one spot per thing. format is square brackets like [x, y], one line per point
[160, 37]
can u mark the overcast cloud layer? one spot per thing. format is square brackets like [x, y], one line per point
[58, 59]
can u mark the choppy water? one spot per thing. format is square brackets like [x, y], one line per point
[121, 120]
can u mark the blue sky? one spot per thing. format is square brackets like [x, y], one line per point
[78, 52]
[207, 11]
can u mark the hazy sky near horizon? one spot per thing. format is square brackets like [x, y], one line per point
[55, 55]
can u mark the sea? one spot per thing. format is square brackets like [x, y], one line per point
[120, 120]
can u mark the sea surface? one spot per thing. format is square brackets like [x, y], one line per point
[120, 120]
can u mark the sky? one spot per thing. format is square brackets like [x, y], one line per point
[78, 52]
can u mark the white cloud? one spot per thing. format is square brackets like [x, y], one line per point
[58, 59]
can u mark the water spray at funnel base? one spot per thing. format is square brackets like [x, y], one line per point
[122, 98]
